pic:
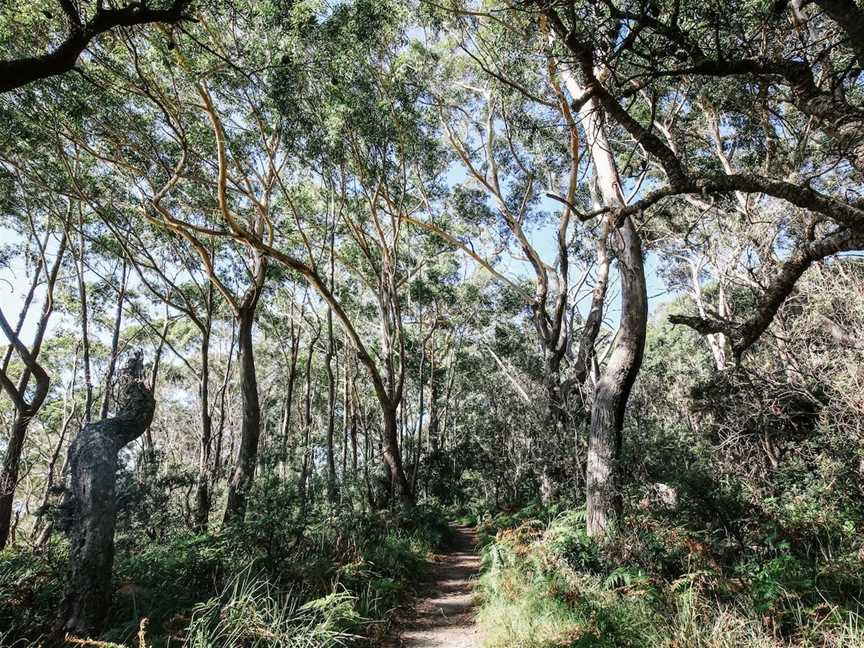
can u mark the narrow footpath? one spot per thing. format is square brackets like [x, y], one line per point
[444, 611]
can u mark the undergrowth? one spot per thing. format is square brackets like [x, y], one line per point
[546, 584]
[332, 579]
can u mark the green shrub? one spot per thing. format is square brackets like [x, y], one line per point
[546, 585]
[31, 585]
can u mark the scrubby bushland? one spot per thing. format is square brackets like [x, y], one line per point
[334, 579]
[546, 583]
[600, 255]
[742, 517]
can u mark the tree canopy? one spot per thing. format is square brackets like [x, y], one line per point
[290, 283]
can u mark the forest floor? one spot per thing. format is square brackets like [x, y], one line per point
[444, 612]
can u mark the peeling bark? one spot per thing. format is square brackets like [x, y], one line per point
[616, 379]
[613, 388]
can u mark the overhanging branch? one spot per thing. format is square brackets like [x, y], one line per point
[15, 73]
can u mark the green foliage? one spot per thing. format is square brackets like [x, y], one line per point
[546, 584]
[535, 592]
[274, 580]
[30, 590]
[168, 577]
[250, 613]
[741, 486]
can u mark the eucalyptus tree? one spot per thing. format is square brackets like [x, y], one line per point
[543, 95]
[350, 90]
[240, 286]
[510, 124]
[27, 403]
[610, 53]
[39, 215]
[230, 209]
[107, 236]
[636, 78]
[434, 299]
[93, 467]
[171, 118]
[755, 64]
[284, 321]
[167, 272]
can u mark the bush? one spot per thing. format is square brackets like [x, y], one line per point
[284, 577]
[546, 584]
[31, 585]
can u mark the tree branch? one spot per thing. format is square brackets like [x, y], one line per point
[744, 334]
[15, 73]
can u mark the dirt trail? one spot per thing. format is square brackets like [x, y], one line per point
[444, 610]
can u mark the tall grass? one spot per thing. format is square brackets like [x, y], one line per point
[251, 613]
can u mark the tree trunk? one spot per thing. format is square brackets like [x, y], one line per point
[250, 427]
[44, 523]
[331, 381]
[716, 341]
[149, 445]
[202, 487]
[24, 411]
[9, 476]
[393, 458]
[18, 72]
[418, 441]
[367, 458]
[355, 413]
[85, 335]
[223, 390]
[28, 300]
[331, 410]
[613, 388]
[445, 427]
[434, 388]
[346, 412]
[307, 423]
[93, 467]
[115, 342]
[289, 398]
[553, 424]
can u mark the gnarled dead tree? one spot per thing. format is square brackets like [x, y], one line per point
[91, 503]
